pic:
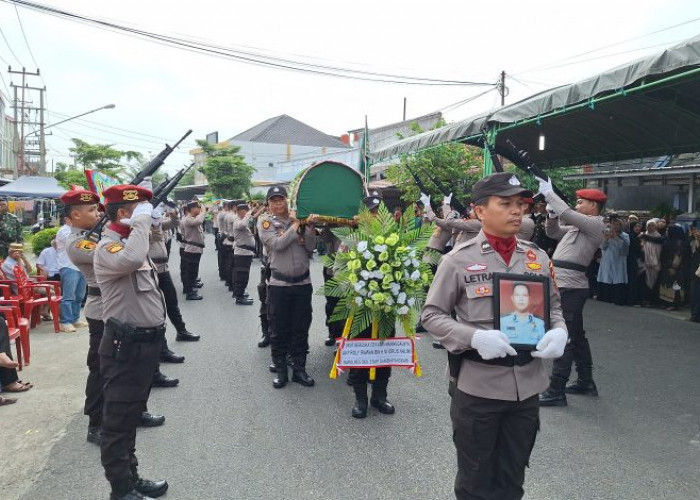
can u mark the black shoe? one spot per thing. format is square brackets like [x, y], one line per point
[330, 342]
[437, 345]
[360, 409]
[193, 296]
[281, 379]
[160, 380]
[301, 377]
[94, 435]
[273, 367]
[171, 357]
[244, 301]
[152, 489]
[383, 406]
[264, 342]
[132, 495]
[151, 420]
[185, 336]
[582, 388]
[552, 397]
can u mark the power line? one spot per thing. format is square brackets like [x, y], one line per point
[9, 47]
[249, 57]
[24, 35]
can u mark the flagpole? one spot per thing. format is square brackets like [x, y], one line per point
[365, 151]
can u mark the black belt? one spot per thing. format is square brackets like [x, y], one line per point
[436, 250]
[521, 359]
[200, 245]
[160, 260]
[569, 265]
[289, 279]
[154, 334]
[245, 247]
[94, 291]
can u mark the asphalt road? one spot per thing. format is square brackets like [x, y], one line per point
[230, 435]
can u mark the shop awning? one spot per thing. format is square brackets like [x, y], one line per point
[33, 187]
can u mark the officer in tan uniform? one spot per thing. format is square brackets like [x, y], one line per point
[134, 316]
[527, 225]
[580, 233]
[229, 219]
[243, 252]
[289, 291]
[193, 245]
[494, 388]
[223, 210]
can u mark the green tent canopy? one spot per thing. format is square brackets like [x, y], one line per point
[329, 188]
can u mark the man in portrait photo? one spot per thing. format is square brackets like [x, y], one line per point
[522, 326]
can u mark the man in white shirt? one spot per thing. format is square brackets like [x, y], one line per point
[73, 285]
[47, 263]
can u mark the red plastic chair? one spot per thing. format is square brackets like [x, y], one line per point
[13, 307]
[31, 300]
[11, 314]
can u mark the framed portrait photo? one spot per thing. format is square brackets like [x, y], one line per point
[521, 308]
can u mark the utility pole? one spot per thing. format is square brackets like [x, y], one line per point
[22, 116]
[404, 109]
[502, 88]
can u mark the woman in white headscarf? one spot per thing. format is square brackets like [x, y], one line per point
[652, 242]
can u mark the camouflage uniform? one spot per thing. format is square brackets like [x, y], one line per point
[10, 232]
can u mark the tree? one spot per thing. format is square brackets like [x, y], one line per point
[228, 174]
[104, 157]
[69, 174]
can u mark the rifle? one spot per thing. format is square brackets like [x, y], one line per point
[446, 192]
[95, 233]
[170, 184]
[524, 162]
[157, 190]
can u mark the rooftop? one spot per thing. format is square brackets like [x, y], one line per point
[284, 129]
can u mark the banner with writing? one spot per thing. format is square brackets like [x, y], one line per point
[376, 353]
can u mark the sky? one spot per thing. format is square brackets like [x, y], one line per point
[160, 92]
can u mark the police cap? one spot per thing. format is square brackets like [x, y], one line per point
[499, 184]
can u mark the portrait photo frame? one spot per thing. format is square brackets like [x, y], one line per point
[521, 308]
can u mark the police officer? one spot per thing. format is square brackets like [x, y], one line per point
[580, 233]
[193, 247]
[335, 328]
[158, 254]
[134, 315]
[223, 210]
[262, 292]
[228, 243]
[10, 229]
[243, 252]
[494, 388]
[289, 293]
[527, 225]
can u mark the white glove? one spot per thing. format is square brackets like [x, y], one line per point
[550, 212]
[144, 208]
[147, 183]
[545, 186]
[447, 199]
[551, 345]
[157, 215]
[425, 199]
[492, 344]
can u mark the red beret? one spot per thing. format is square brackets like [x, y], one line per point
[126, 193]
[79, 197]
[592, 195]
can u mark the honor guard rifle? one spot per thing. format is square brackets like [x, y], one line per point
[446, 192]
[523, 161]
[148, 171]
[497, 165]
[163, 190]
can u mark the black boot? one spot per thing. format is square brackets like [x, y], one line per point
[170, 357]
[299, 374]
[359, 410]
[193, 295]
[123, 489]
[161, 380]
[378, 399]
[282, 373]
[151, 419]
[330, 342]
[242, 300]
[554, 395]
[184, 336]
[273, 367]
[265, 340]
[94, 435]
[152, 489]
[584, 385]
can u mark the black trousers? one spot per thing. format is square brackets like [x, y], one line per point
[335, 328]
[165, 282]
[191, 270]
[290, 318]
[183, 267]
[227, 262]
[493, 439]
[94, 385]
[241, 273]
[126, 390]
[7, 375]
[262, 295]
[216, 238]
[577, 350]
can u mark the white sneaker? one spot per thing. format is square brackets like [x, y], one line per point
[80, 324]
[66, 328]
